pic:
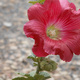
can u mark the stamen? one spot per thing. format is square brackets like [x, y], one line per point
[53, 33]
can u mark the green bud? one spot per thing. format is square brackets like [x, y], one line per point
[54, 65]
[42, 64]
[48, 65]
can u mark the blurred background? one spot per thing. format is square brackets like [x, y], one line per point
[15, 46]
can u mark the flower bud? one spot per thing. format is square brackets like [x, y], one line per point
[48, 65]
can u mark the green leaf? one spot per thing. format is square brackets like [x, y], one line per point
[45, 74]
[30, 57]
[39, 77]
[32, 73]
[35, 59]
[23, 74]
[38, 1]
[33, 2]
[30, 78]
[33, 55]
[35, 64]
[20, 78]
[41, 1]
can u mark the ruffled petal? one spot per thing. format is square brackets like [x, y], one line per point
[66, 4]
[37, 12]
[72, 6]
[34, 27]
[77, 13]
[38, 47]
[64, 51]
[48, 12]
[58, 48]
[74, 44]
[36, 30]
[49, 45]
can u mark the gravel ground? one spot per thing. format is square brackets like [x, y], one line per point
[15, 47]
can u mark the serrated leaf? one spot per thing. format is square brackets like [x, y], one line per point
[45, 74]
[20, 78]
[33, 2]
[32, 73]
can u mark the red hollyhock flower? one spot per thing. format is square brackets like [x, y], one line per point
[55, 27]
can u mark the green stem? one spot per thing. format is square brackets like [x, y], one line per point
[38, 67]
[37, 72]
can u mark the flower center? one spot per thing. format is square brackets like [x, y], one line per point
[53, 32]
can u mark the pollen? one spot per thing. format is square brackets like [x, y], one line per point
[53, 33]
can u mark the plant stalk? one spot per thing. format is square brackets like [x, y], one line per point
[38, 67]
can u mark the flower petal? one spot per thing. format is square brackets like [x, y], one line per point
[58, 48]
[38, 47]
[72, 6]
[74, 44]
[53, 9]
[36, 30]
[64, 51]
[77, 13]
[64, 3]
[69, 20]
[37, 12]
[34, 27]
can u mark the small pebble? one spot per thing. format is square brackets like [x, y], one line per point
[7, 24]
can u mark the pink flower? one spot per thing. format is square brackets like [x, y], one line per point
[55, 27]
